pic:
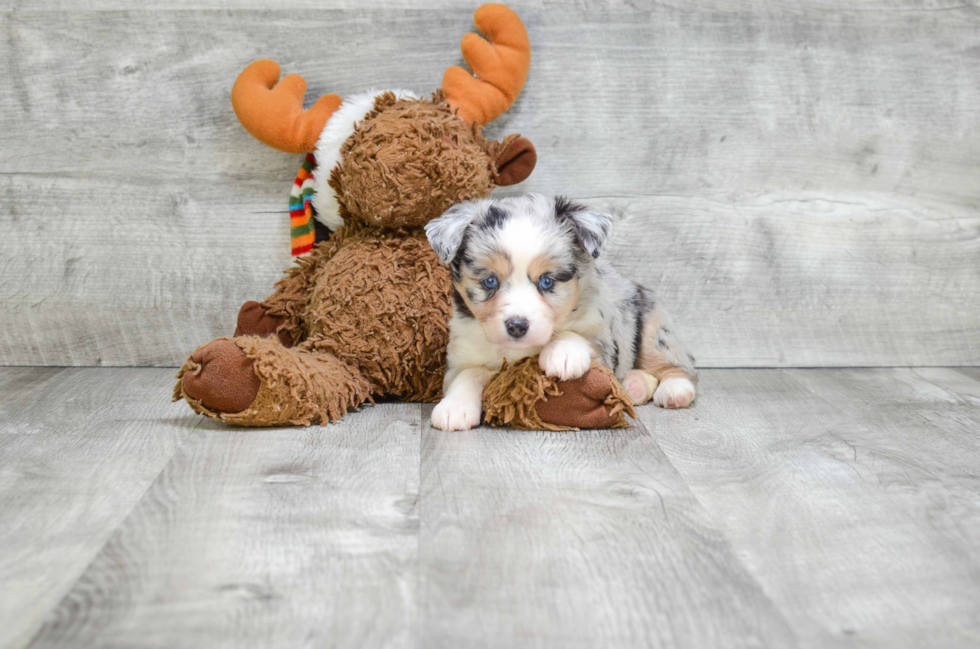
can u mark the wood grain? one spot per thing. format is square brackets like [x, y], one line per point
[263, 538]
[851, 496]
[800, 180]
[78, 448]
[586, 539]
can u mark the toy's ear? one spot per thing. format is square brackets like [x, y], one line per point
[514, 162]
[591, 228]
[446, 233]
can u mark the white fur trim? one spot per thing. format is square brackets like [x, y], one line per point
[339, 127]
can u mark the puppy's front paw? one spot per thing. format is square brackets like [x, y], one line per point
[674, 392]
[565, 359]
[456, 414]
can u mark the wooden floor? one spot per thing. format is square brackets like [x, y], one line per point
[812, 508]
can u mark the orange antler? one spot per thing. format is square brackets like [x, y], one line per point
[499, 66]
[273, 112]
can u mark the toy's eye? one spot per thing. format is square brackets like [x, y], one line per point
[491, 283]
[546, 283]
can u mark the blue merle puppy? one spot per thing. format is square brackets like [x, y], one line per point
[529, 279]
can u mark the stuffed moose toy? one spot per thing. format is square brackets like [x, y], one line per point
[365, 312]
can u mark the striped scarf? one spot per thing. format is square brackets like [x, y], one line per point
[302, 232]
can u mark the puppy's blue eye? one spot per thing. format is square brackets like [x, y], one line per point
[490, 283]
[546, 283]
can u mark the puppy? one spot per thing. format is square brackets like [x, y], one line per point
[528, 279]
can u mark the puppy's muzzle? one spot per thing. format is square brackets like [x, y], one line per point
[516, 327]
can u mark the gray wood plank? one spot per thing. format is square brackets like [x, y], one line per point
[801, 180]
[78, 448]
[587, 539]
[851, 495]
[263, 538]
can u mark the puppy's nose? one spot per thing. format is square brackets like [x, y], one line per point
[516, 327]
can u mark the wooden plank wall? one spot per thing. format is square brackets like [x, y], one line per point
[799, 181]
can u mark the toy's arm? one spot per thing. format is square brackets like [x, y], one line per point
[521, 396]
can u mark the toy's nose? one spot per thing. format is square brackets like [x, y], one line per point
[516, 327]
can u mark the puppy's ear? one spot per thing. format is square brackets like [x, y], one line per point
[591, 228]
[446, 232]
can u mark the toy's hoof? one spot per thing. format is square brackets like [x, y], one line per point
[582, 403]
[254, 320]
[221, 377]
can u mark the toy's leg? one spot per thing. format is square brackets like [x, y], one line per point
[252, 381]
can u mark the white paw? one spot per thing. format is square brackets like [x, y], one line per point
[565, 359]
[456, 414]
[640, 386]
[674, 392]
